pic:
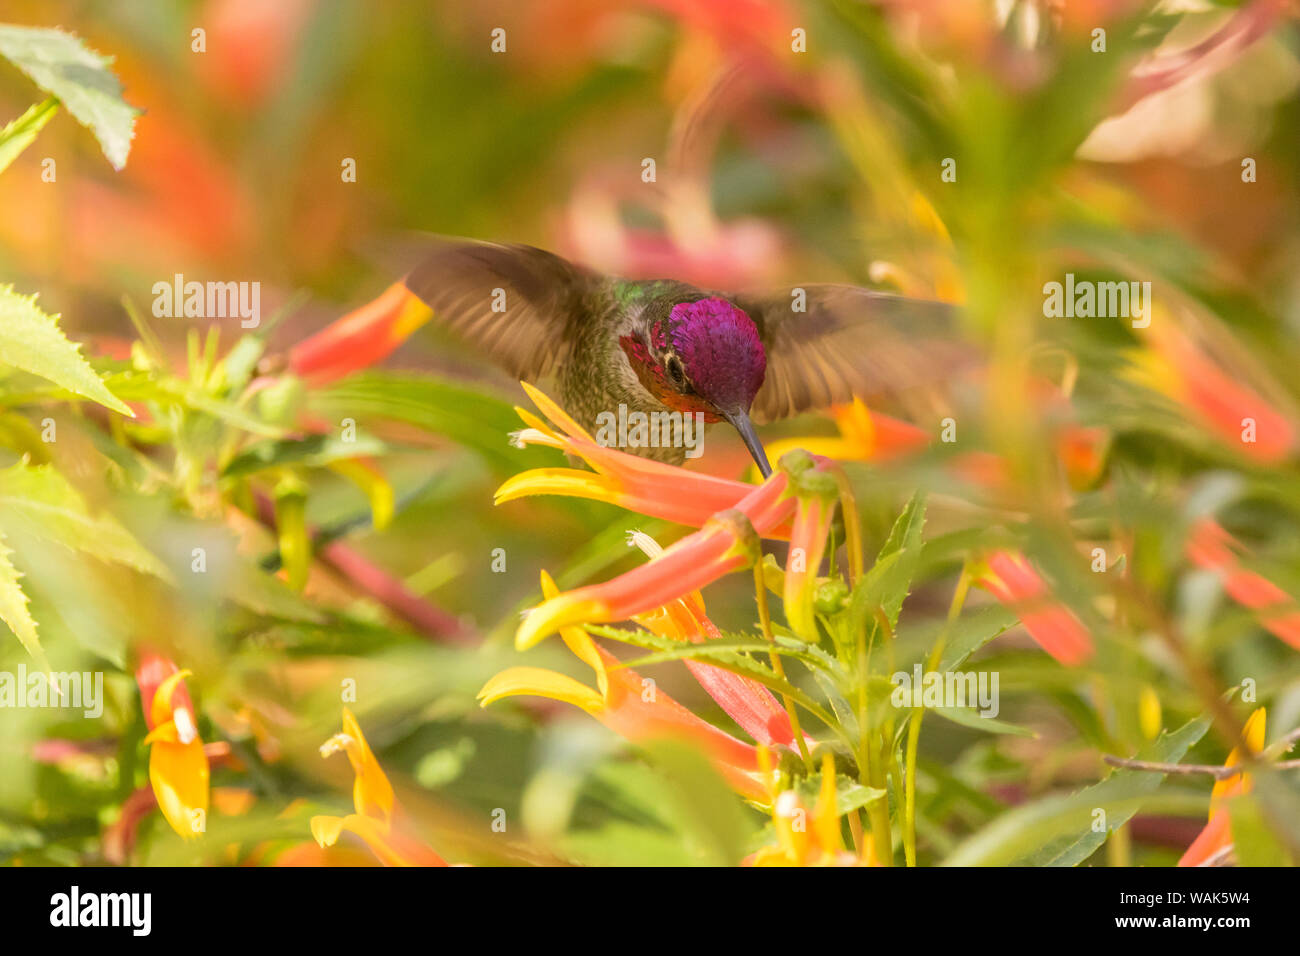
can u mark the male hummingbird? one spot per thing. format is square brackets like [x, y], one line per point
[667, 346]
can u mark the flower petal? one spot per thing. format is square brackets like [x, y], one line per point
[178, 774]
[720, 547]
[361, 338]
[1015, 582]
[539, 682]
[390, 846]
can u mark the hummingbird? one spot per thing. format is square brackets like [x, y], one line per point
[662, 345]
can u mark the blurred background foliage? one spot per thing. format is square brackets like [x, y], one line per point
[773, 167]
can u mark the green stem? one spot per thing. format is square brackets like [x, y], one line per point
[1119, 848]
[765, 622]
[914, 725]
[852, 526]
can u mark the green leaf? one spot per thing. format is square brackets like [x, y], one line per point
[39, 501]
[19, 134]
[60, 64]
[1058, 830]
[850, 795]
[886, 584]
[315, 451]
[624, 844]
[728, 660]
[13, 607]
[1277, 797]
[734, 648]
[967, 717]
[671, 810]
[972, 631]
[32, 341]
[1254, 841]
[468, 416]
[711, 816]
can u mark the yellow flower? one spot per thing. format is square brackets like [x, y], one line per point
[1216, 838]
[804, 839]
[178, 766]
[629, 481]
[622, 703]
[376, 807]
[863, 436]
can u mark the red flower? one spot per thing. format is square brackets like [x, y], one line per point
[361, 338]
[1010, 578]
[1210, 547]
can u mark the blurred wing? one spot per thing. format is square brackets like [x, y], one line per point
[518, 304]
[849, 341]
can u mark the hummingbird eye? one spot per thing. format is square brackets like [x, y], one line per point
[673, 365]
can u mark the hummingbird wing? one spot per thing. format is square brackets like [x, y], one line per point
[520, 305]
[848, 342]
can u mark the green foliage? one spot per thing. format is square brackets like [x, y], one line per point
[32, 341]
[63, 66]
[39, 501]
[13, 607]
[20, 133]
[233, 524]
[1065, 831]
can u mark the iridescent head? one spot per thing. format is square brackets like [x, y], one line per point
[704, 356]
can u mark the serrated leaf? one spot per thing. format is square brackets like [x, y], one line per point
[39, 501]
[1058, 830]
[850, 795]
[13, 607]
[727, 659]
[62, 65]
[972, 631]
[31, 340]
[886, 584]
[736, 647]
[20, 133]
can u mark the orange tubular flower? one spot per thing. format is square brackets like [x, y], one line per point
[1082, 452]
[626, 704]
[1010, 578]
[361, 338]
[864, 436]
[376, 807]
[1180, 369]
[178, 766]
[747, 702]
[816, 493]
[1210, 547]
[726, 543]
[870, 436]
[638, 484]
[1217, 835]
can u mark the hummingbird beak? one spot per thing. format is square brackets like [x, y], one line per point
[739, 419]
